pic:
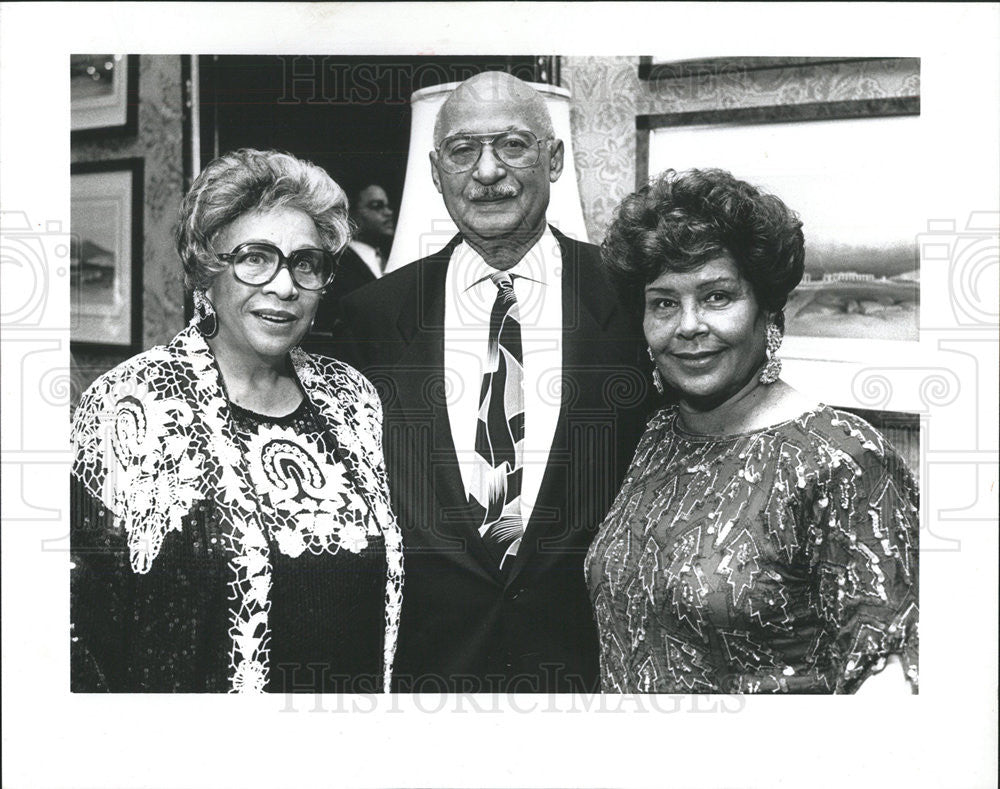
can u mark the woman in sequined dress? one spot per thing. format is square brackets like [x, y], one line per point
[762, 542]
[231, 527]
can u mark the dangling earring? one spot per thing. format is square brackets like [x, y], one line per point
[772, 369]
[204, 313]
[657, 378]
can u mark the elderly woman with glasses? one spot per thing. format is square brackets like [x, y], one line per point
[231, 527]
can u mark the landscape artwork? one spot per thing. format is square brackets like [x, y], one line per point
[101, 265]
[856, 185]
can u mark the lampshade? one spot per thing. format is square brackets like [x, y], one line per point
[424, 225]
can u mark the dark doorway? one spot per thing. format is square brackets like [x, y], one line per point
[350, 115]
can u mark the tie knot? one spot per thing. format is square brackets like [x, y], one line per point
[503, 281]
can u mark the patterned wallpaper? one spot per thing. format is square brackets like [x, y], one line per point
[160, 143]
[607, 95]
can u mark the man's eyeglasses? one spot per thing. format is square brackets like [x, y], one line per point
[257, 263]
[460, 152]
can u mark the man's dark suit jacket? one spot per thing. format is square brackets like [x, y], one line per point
[463, 627]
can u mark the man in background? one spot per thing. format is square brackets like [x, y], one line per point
[364, 259]
[371, 242]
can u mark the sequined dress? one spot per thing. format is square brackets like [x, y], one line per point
[779, 560]
[215, 549]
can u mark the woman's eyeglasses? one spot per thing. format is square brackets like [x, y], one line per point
[461, 152]
[257, 263]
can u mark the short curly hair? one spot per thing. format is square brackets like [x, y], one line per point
[680, 221]
[246, 181]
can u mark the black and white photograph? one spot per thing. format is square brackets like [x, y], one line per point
[390, 394]
[617, 491]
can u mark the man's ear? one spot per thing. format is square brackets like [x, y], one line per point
[555, 160]
[435, 177]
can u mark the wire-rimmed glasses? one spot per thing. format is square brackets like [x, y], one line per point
[460, 152]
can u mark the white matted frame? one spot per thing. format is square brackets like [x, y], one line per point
[104, 95]
[106, 255]
[860, 204]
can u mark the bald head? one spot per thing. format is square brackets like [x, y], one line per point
[498, 205]
[487, 94]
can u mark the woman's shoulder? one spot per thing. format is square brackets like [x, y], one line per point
[319, 372]
[850, 431]
[845, 440]
[129, 377]
[328, 365]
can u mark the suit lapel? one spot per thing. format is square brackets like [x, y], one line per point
[586, 311]
[420, 375]
[424, 410]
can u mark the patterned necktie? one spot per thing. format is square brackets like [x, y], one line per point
[500, 429]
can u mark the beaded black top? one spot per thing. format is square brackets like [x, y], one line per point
[216, 549]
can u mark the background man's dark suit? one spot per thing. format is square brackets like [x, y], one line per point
[463, 628]
[352, 273]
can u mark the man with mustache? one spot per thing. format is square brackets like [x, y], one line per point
[513, 387]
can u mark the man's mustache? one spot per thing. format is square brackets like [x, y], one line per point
[493, 192]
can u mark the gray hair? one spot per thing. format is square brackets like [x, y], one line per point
[246, 181]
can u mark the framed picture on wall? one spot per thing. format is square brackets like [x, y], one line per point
[854, 172]
[851, 169]
[106, 255]
[655, 67]
[104, 94]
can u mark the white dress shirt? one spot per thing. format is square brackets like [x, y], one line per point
[469, 297]
[370, 255]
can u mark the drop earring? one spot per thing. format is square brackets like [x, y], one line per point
[205, 316]
[657, 378]
[772, 369]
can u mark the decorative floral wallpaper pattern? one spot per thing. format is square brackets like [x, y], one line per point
[607, 95]
[160, 143]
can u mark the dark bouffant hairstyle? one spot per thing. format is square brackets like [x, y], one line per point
[679, 221]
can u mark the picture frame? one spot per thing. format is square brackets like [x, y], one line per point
[106, 256]
[104, 96]
[851, 170]
[862, 261]
[653, 68]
